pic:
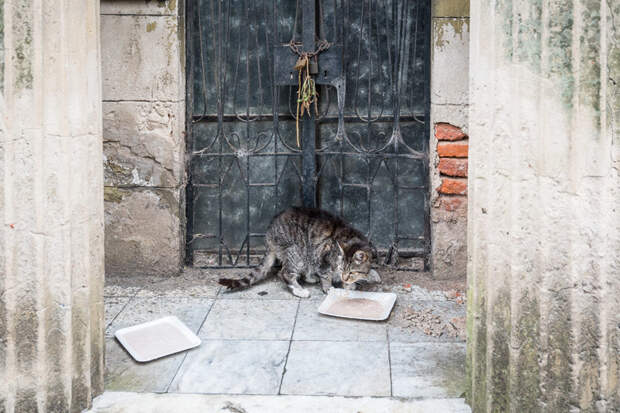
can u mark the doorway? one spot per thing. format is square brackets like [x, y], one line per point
[361, 154]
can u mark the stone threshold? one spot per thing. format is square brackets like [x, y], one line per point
[126, 402]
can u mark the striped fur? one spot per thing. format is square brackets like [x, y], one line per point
[312, 245]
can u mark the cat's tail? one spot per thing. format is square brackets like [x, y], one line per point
[253, 277]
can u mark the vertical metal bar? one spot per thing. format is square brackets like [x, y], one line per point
[341, 12]
[369, 102]
[400, 52]
[247, 128]
[427, 119]
[189, 111]
[220, 127]
[275, 109]
[309, 124]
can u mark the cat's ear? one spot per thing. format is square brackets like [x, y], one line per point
[340, 250]
[375, 253]
[373, 276]
[360, 256]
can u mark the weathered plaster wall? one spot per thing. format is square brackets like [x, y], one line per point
[544, 210]
[143, 57]
[51, 207]
[449, 109]
[143, 130]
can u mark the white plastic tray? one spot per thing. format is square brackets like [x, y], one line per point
[156, 339]
[347, 304]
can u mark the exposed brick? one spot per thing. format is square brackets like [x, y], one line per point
[452, 150]
[447, 132]
[453, 167]
[452, 186]
[452, 203]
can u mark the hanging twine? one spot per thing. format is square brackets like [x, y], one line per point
[306, 86]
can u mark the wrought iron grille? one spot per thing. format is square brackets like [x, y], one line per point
[363, 157]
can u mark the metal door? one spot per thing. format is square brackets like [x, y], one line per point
[364, 156]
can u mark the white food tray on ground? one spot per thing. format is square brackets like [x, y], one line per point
[156, 339]
[359, 305]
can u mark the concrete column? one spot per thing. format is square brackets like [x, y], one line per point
[544, 206]
[51, 207]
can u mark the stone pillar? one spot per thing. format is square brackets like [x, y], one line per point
[143, 136]
[544, 206]
[51, 207]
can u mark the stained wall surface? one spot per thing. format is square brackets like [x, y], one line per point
[544, 206]
[448, 139]
[51, 207]
[143, 136]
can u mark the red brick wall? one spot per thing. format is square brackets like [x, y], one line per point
[452, 148]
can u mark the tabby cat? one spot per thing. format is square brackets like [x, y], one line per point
[317, 246]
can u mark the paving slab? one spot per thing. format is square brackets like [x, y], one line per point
[179, 288]
[311, 325]
[417, 293]
[238, 367]
[246, 333]
[116, 290]
[191, 311]
[316, 293]
[122, 372]
[250, 320]
[428, 370]
[270, 289]
[121, 402]
[112, 307]
[340, 368]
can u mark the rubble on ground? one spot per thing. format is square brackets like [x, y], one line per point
[433, 324]
[456, 296]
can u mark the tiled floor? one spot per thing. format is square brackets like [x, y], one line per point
[264, 341]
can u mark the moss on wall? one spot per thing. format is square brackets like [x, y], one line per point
[559, 54]
[172, 5]
[169, 201]
[504, 13]
[529, 35]
[443, 26]
[477, 343]
[450, 8]
[589, 81]
[112, 194]
[499, 340]
[22, 18]
[613, 67]
[2, 47]
[525, 371]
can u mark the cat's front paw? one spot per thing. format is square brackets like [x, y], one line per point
[325, 285]
[300, 292]
[311, 279]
